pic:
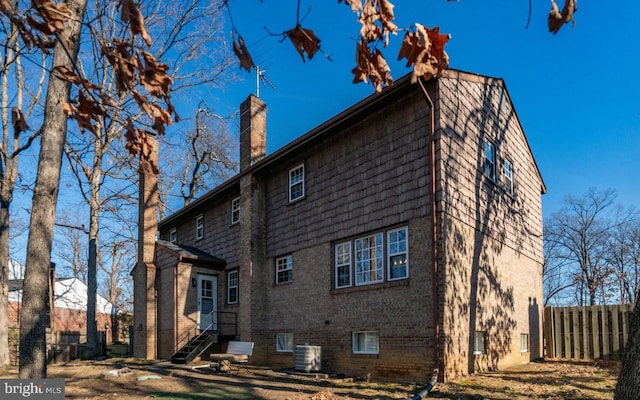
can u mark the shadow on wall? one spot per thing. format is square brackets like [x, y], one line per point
[478, 298]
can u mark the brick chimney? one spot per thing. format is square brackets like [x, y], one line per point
[144, 273]
[253, 128]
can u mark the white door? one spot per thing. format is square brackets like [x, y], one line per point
[207, 302]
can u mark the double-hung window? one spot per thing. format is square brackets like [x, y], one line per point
[199, 227]
[235, 210]
[296, 183]
[398, 254]
[343, 264]
[284, 269]
[508, 177]
[369, 259]
[489, 164]
[233, 280]
[173, 235]
[367, 342]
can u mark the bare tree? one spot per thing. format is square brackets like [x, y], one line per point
[17, 102]
[581, 232]
[624, 257]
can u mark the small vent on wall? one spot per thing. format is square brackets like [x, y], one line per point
[308, 358]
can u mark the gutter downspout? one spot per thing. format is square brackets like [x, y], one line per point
[434, 250]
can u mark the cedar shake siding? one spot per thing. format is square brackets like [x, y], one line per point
[359, 185]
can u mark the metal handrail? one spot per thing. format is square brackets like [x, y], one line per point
[191, 333]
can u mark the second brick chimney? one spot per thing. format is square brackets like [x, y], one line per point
[253, 129]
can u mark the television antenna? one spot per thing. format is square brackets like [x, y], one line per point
[261, 76]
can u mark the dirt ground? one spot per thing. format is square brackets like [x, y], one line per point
[551, 380]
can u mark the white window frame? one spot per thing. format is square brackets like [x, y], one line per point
[284, 342]
[235, 210]
[397, 248]
[342, 262]
[233, 285]
[507, 171]
[489, 160]
[199, 227]
[479, 347]
[296, 179]
[173, 235]
[369, 259]
[524, 342]
[365, 342]
[284, 268]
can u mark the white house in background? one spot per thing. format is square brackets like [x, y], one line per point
[68, 324]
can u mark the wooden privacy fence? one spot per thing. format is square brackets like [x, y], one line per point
[594, 332]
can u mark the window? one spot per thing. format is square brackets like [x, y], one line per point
[235, 210]
[366, 342]
[508, 177]
[173, 235]
[296, 183]
[343, 264]
[369, 259]
[524, 342]
[397, 254]
[365, 258]
[199, 227]
[284, 269]
[489, 165]
[284, 342]
[478, 343]
[233, 279]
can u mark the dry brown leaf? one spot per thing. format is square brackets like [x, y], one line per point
[304, 40]
[54, 16]
[123, 63]
[241, 51]
[68, 75]
[131, 14]
[18, 122]
[356, 5]
[556, 19]
[154, 77]
[424, 49]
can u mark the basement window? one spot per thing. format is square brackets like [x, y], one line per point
[284, 342]
[366, 342]
[478, 343]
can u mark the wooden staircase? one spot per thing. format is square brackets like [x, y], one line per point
[194, 347]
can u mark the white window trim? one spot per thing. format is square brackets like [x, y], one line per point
[405, 252]
[354, 342]
[288, 267]
[479, 343]
[508, 177]
[199, 227]
[236, 286]
[348, 264]
[491, 174]
[524, 342]
[235, 210]
[287, 340]
[300, 182]
[355, 260]
[173, 235]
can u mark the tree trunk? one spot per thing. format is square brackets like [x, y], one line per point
[4, 285]
[628, 387]
[33, 362]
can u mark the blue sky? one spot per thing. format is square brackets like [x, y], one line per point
[576, 93]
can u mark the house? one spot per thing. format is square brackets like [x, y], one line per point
[67, 321]
[402, 235]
